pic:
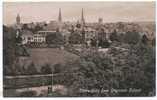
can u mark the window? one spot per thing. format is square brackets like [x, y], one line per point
[29, 38]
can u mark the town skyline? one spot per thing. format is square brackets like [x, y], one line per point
[114, 11]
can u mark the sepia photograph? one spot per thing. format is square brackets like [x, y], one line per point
[79, 49]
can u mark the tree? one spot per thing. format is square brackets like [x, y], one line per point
[87, 73]
[132, 37]
[57, 68]
[56, 39]
[37, 28]
[46, 69]
[114, 36]
[7, 70]
[31, 69]
[9, 43]
[25, 27]
[75, 38]
[93, 42]
[104, 43]
[144, 39]
[28, 94]
[21, 51]
[131, 66]
[19, 39]
[153, 42]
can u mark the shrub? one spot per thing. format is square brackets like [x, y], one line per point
[28, 94]
[46, 69]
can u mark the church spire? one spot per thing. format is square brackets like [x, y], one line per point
[82, 17]
[60, 16]
[18, 19]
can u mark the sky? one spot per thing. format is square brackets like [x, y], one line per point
[71, 11]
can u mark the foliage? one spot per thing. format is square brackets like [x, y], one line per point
[28, 94]
[19, 39]
[35, 29]
[25, 27]
[104, 43]
[130, 66]
[9, 42]
[131, 37]
[57, 68]
[153, 42]
[56, 39]
[21, 51]
[46, 69]
[75, 38]
[31, 69]
[93, 42]
[114, 36]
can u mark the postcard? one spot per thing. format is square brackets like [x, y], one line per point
[79, 49]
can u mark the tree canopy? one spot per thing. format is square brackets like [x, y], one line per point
[55, 38]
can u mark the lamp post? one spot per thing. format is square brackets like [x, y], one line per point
[52, 82]
[50, 89]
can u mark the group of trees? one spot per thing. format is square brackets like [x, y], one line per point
[56, 39]
[131, 37]
[131, 67]
[11, 49]
[34, 29]
[9, 44]
[75, 38]
[21, 70]
[31, 69]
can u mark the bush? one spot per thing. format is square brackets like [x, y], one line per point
[132, 37]
[46, 69]
[55, 38]
[31, 69]
[75, 38]
[114, 36]
[57, 68]
[28, 94]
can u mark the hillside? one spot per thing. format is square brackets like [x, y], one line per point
[41, 56]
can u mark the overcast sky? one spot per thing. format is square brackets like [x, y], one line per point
[71, 11]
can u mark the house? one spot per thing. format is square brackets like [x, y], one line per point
[39, 38]
[27, 36]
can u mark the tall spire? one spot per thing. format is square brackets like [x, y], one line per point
[83, 26]
[18, 19]
[60, 16]
[82, 17]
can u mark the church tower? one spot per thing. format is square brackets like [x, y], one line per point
[18, 19]
[18, 25]
[82, 19]
[83, 26]
[59, 21]
[60, 16]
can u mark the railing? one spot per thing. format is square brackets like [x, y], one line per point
[24, 81]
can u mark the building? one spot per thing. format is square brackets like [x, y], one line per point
[27, 37]
[90, 33]
[55, 25]
[39, 38]
[60, 23]
[18, 25]
[18, 19]
[100, 21]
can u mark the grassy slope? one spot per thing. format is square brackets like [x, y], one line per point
[41, 56]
